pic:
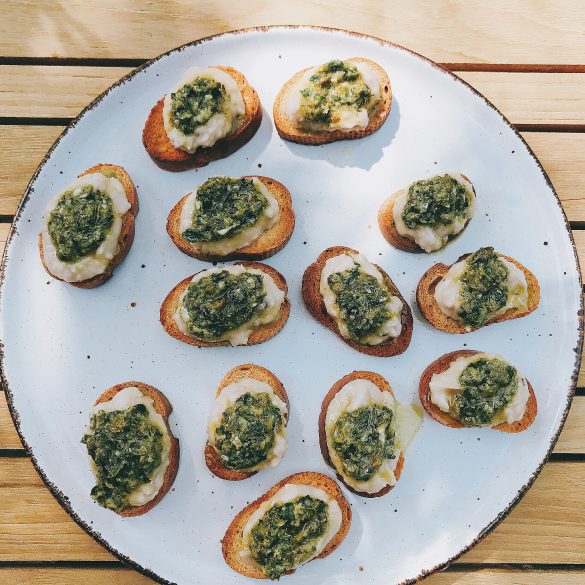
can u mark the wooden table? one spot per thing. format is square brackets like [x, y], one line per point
[527, 57]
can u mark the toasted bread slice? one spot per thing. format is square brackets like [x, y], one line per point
[232, 543]
[388, 226]
[288, 131]
[168, 157]
[212, 459]
[383, 385]
[269, 243]
[259, 335]
[126, 233]
[164, 408]
[314, 303]
[425, 298]
[441, 365]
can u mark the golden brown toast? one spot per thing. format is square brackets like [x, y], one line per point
[232, 543]
[269, 243]
[441, 365]
[213, 461]
[259, 335]
[383, 385]
[126, 234]
[168, 157]
[290, 132]
[314, 303]
[164, 408]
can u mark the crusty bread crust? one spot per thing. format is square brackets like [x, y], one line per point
[168, 157]
[269, 242]
[314, 303]
[232, 543]
[259, 335]
[441, 365]
[290, 132]
[388, 226]
[213, 461]
[126, 233]
[164, 408]
[383, 385]
[425, 298]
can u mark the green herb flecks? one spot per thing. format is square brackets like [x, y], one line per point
[287, 535]
[126, 448]
[225, 207]
[80, 222]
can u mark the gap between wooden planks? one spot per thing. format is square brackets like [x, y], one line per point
[122, 576]
[497, 32]
[562, 155]
[62, 92]
[546, 527]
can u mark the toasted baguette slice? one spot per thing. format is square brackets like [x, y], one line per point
[383, 385]
[388, 226]
[212, 459]
[126, 233]
[168, 157]
[314, 303]
[164, 408]
[288, 131]
[232, 543]
[441, 365]
[269, 243]
[259, 335]
[425, 298]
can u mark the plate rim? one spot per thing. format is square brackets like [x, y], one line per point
[63, 500]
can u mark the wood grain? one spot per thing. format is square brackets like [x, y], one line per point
[562, 155]
[122, 576]
[62, 92]
[499, 31]
[546, 527]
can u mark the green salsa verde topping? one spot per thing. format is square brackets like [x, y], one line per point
[484, 287]
[196, 102]
[437, 201]
[363, 438]
[223, 301]
[247, 430]
[80, 222]
[337, 85]
[488, 385]
[225, 207]
[362, 301]
[126, 449]
[287, 535]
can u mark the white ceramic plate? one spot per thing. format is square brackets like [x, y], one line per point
[63, 346]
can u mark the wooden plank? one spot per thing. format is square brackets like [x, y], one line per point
[498, 31]
[62, 92]
[123, 576]
[562, 154]
[546, 527]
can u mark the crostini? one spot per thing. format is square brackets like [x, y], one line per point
[303, 517]
[479, 289]
[424, 216]
[133, 453]
[88, 228]
[247, 426]
[340, 100]
[364, 432]
[358, 301]
[209, 114]
[228, 218]
[468, 388]
[241, 304]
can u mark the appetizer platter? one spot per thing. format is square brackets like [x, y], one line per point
[348, 272]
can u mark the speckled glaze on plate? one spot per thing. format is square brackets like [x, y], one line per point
[63, 346]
